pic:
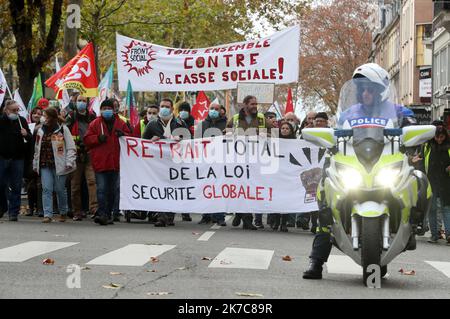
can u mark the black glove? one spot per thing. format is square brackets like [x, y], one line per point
[119, 133]
[102, 138]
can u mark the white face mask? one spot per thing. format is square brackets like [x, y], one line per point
[42, 120]
[152, 117]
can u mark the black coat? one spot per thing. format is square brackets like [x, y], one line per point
[156, 128]
[438, 177]
[12, 145]
[220, 123]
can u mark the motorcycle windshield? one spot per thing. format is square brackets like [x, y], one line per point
[364, 104]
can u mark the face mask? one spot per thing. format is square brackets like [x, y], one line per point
[107, 114]
[13, 116]
[81, 106]
[151, 117]
[213, 114]
[42, 120]
[184, 115]
[165, 113]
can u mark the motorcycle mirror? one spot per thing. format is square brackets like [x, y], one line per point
[417, 134]
[323, 137]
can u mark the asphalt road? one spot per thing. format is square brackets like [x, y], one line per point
[186, 267]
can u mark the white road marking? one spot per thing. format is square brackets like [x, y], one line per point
[243, 258]
[443, 267]
[30, 249]
[338, 264]
[131, 255]
[206, 236]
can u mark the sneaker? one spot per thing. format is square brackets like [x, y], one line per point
[448, 240]
[77, 218]
[222, 223]
[236, 221]
[160, 224]
[116, 218]
[30, 213]
[103, 221]
[47, 220]
[111, 220]
[62, 218]
[41, 215]
[249, 226]
[290, 225]
[433, 240]
[13, 218]
[284, 228]
[1, 214]
[171, 223]
[259, 225]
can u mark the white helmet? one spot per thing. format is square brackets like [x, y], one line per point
[376, 74]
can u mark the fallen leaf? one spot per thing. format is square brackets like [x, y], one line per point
[225, 262]
[154, 259]
[246, 294]
[85, 268]
[112, 286]
[48, 261]
[407, 272]
[194, 233]
[163, 293]
[115, 273]
[287, 258]
[60, 235]
[153, 270]
[206, 258]
[181, 268]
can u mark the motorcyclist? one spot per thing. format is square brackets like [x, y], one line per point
[372, 93]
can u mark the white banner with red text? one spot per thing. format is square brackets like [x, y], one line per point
[151, 67]
[245, 174]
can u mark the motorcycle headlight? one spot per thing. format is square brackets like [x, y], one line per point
[350, 178]
[389, 176]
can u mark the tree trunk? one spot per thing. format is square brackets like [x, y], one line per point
[70, 37]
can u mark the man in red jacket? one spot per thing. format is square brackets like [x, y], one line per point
[102, 141]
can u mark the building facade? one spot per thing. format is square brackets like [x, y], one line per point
[441, 61]
[402, 45]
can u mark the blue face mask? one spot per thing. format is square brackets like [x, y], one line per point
[13, 116]
[164, 112]
[184, 115]
[81, 106]
[107, 114]
[213, 114]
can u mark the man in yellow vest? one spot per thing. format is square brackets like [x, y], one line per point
[248, 118]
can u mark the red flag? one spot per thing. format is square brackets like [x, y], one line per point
[201, 107]
[289, 103]
[80, 73]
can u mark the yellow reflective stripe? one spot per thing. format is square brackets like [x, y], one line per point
[142, 128]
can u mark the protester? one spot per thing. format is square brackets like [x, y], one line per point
[308, 121]
[78, 122]
[15, 137]
[280, 220]
[163, 128]
[32, 179]
[151, 113]
[436, 156]
[54, 158]
[102, 141]
[294, 121]
[271, 118]
[248, 119]
[213, 125]
[185, 115]
[223, 111]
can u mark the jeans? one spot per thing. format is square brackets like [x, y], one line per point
[218, 217]
[108, 193]
[11, 173]
[258, 219]
[436, 208]
[52, 182]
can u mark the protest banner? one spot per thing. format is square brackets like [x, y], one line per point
[151, 67]
[220, 174]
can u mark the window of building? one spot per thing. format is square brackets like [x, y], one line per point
[443, 67]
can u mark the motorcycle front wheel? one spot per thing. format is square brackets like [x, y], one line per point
[371, 245]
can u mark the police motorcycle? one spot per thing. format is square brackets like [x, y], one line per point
[375, 199]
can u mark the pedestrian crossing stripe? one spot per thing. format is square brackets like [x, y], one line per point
[30, 249]
[131, 255]
[243, 258]
[340, 264]
[443, 267]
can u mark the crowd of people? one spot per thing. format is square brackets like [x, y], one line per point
[69, 161]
